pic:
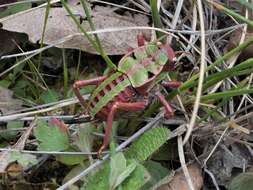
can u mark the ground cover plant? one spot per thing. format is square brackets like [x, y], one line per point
[126, 94]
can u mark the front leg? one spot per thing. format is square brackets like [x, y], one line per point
[171, 84]
[81, 83]
[134, 106]
[169, 111]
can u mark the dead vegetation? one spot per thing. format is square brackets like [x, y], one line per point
[43, 51]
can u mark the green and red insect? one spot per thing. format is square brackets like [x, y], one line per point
[130, 87]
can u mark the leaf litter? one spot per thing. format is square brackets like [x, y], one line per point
[60, 25]
[234, 152]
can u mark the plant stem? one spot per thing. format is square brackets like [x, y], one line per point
[192, 81]
[112, 143]
[230, 12]
[246, 4]
[65, 74]
[44, 30]
[93, 43]
[227, 94]
[156, 19]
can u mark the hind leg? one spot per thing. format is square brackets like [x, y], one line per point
[134, 106]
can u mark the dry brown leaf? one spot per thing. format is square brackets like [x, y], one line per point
[61, 25]
[236, 36]
[234, 157]
[234, 41]
[14, 170]
[9, 41]
[7, 45]
[7, 103]
[20, 144]
[179, 181]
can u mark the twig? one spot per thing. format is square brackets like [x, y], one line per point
[120, 6]
[48, 152]
[20, 115]
[176, 17]
[182, 161]
[201, 73]
[213, 178]
[216, 145]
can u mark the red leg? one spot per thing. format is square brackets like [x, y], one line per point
[81, 83]
[171, 84]
[135, 106]
[167, 106]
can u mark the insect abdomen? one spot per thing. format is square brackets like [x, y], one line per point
[117, 87]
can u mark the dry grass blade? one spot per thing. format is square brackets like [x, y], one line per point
[20, 144]
[183, 164]
[201, 73]
[212, 107]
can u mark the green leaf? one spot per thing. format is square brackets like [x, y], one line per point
[70, 159]
[12, 125]
[84, 140]
[156, 18]
[20, 87]
[140, 150]
[49, 96]
[75, 170]
[5, 83]
[12, 9]
[157, 173]
[147, 144]
[22, 158]
[136, 179]
[50, 138]
[129, 169]
[243, 181]
[99, 180]
[119, 171]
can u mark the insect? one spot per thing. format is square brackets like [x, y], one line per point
[130, 87]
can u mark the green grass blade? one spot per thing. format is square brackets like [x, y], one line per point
[241, 69]
[65, 74]
[104, 55]
[93, 43]
[230, 12]
[193, 80]
[227, 94]
[92, 26]
[156, 19]
[246, 4]
[44, 29]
